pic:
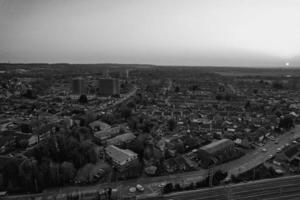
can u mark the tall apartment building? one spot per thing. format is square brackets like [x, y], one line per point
[79, 86]
[108, 87]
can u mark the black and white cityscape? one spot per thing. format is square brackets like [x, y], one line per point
[149, 100]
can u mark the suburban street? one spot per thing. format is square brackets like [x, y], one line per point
[151, 184]
[257, 156]
[123, 98]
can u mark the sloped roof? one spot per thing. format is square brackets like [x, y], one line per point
[121, 138]
[217, 145]
[120, 156]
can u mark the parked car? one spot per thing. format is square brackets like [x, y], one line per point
[276, 163]
[270, 156]
[264, 150]
[161, 185]
[132, 189]
[140, 188]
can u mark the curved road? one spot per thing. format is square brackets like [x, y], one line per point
[151, 184]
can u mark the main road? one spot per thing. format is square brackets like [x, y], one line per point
[151, 184]
[123, 98]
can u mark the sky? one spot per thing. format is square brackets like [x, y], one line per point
[162, 32]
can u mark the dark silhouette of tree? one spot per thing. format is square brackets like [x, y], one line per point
[218, 97]
[125, 112]
[29, 94]
[168, 188]
[83, 99]
[227, 97]
[171, 124]
[286, 122]
[67, 171]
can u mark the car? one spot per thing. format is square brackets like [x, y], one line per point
[276, 142]
[295, 142]
[287, 144]
[270, 156]
[140, 188]
[132, 189]
[96, 176]
[163, 184]
[227, 179]
[264, 150]
[278, 149]
[276, 163]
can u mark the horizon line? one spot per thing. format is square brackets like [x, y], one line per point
[153, 65]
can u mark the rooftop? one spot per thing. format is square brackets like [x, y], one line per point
[217, 145]
[120, 156]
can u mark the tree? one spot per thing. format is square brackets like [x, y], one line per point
[11, 173]
[137, 146]
[218, 97]
[255, 91]
[171, 124]
[54, 176]
[29, 94]
[21, 143]
[83, 99]
[278, 113]
[177, 187]
[194, 87]
[67, 171]
[247, 104]
[219, 176]
[87, 149]
[131, 104]
[227, 97]
[28, 173]
[132, 123]
[25, 128]
[286, 122]
[125, 112]
[168, 188]
[146, 126]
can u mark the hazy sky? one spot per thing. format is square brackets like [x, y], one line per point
[180, 32]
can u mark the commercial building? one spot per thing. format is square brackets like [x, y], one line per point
[108, 87]
[79, 86]
[219, 146]
[121, 159]
[122, 139]
[218, 152]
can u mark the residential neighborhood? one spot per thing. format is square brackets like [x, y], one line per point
[159, 123]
